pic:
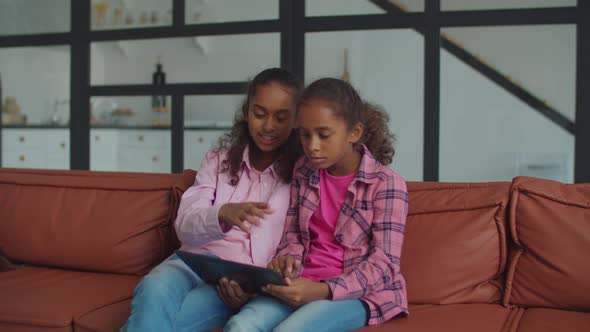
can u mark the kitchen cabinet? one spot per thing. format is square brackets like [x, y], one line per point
[104, 149]
[196, 144]
[36, 148]
[145, 151]
[130, 150]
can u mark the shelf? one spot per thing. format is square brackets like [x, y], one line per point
[130, 127]
[206, 128]
[33, 126]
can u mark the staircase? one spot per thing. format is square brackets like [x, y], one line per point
[491, 73]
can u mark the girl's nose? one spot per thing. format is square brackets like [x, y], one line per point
[314, 144]
[268, 125]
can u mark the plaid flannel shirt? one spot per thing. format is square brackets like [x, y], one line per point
[370, 227]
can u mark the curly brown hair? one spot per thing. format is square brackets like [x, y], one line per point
[347, 103]
[236, 140]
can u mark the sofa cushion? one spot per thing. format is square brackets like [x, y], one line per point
[452, 318]
[105, 222]
[455, 244]
[551, 320]
[108, 318]
[550, 226]
[52, 298]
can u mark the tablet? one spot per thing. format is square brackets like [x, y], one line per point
[211, 269]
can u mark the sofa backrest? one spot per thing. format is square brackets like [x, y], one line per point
[455, 244]
[550, 228]
[96, 221]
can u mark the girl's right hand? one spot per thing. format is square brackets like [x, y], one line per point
[235, 214]
[286, 266]
[232, 294]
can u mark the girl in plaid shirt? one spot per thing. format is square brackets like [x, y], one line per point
[340, 252]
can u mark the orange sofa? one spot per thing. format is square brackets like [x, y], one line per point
[477, 256]
[85, 239]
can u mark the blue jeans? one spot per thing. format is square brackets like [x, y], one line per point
[265, 313]
[173, 298]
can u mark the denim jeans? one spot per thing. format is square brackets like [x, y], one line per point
[265, 313]
[173, 298]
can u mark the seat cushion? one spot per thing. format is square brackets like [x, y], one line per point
[455, 243]
[449, 317]
[550, 226]
[51, 299]
[103, 222]
[552, 320]
[108, 318]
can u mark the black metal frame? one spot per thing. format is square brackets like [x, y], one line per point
[582, 135]
[430, 164]
[79, 86]
[291, 15]
[292, 25]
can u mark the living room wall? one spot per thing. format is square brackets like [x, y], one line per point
[485, 132]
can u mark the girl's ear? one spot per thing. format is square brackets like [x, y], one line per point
[356, 133]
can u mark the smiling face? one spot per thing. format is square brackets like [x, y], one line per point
[271, 116]
[327, 140]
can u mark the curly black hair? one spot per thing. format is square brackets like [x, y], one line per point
[347, 103]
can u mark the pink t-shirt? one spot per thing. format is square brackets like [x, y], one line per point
[325, 256]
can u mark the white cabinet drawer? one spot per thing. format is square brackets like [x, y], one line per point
[196, 145]
[145, 151]
[24, 159]
[144, 160]
[58, 161]
[36, 148]
[16, 139]
[104, 137]
[58, 145]
[104, 148]
[145, 138]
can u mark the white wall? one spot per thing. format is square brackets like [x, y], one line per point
[542, 59]
[207, 11]
[486, 132]
[386, 67]
[340, 7]
[225, 58]
[211, 110]
[418, 5]
[502, 4]
[37, 77]
[34, 16]
[355, 7]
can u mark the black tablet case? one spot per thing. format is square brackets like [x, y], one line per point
[211, 269]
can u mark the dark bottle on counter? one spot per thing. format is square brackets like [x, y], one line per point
[159, 108]
[158, 80]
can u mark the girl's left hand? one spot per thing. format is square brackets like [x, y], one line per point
[299, 291]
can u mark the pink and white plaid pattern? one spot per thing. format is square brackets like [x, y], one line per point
[370, 227]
